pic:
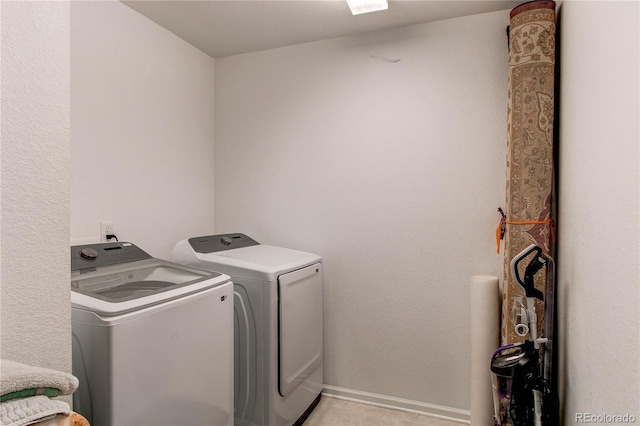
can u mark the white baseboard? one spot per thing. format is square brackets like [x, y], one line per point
[406, 405]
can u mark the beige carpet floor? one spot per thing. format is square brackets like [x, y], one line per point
[337, 412]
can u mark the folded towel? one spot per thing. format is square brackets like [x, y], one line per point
[19, 381]
[19, 412]
[57, 420]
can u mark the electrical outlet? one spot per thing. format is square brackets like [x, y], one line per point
[106, 228]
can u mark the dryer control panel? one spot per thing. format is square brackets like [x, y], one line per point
[213, 243]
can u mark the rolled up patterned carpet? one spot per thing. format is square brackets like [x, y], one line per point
[529, 146]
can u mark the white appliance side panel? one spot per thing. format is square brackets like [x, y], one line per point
[176, 366]
[246, 397]
[300, 324]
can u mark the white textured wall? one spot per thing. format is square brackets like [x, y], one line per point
[35, 327]
[599, 209]
[141, 129]
[392, 171]
[324, 148]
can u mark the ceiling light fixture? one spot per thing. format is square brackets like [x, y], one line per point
[365, 6]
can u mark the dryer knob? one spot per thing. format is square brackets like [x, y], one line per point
[226, 241]
[89, 254]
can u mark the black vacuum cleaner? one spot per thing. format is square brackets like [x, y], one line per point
[523, 376]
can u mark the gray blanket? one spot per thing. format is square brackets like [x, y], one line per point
[19, 380]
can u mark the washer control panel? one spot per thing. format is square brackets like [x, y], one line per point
[95, 255]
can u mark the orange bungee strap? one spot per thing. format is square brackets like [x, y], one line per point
[502, 227]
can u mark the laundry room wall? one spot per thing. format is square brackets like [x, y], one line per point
[34, 191]
[599, 233]
[385, 153]
[141, 129]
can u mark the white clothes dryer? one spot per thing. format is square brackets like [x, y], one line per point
[152, 340]
[278, 328]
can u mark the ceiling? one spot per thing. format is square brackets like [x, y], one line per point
[229, 27]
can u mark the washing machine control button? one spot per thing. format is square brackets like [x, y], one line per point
[89, 254]
[226, 241]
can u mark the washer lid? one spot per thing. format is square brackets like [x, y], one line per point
[120, 288]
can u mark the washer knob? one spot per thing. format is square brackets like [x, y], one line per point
[226, 241]
[89, 254]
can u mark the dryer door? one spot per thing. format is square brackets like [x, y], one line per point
[300, 325]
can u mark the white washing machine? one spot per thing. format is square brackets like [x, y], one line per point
[152, 340]
[278, 342]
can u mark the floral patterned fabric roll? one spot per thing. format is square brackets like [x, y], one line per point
[529, 148]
